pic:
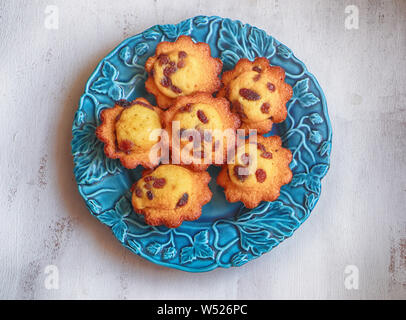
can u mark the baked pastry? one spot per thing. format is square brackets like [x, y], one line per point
[202, 125]
[171, 194]
[258, 172]
[258, 93]
[126, 130]
[181, 68]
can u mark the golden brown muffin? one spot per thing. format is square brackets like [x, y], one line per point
[181, 68]
[171, 194]
[205, 123]
[258, 93]
[126, 132]
[257, 174]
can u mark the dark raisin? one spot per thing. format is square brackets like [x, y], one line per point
[181, 64]
[257, 69]
[261, 175]
[126, 146]
[216, 145]
[241, 172]
[186, 108]
[188, 134]
[163, 59]
[270, 87]
[202, 116]
[257, 77]
[245, 159]
[183, 200]
[176, 89]
[238, 108]
[150, 195]
[169, 70]
[172, 63]
[261, 147]
[181, 131]
[147, 186]
[265, 107]
[159, 183]
[249, 94]
[138, 192]
[166, 82]
[182, 54]
[149, 178]
[266, 155]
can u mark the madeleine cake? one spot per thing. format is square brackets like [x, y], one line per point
[171, 194]
[257, 173]
[127, 132]
[258, 93]
[181, 68]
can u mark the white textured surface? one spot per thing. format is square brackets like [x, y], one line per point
[359, 220]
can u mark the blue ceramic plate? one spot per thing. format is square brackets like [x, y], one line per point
[227, 234]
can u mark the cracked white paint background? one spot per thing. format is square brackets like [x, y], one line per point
[359, 220]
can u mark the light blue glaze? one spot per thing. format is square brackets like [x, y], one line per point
[227, 234]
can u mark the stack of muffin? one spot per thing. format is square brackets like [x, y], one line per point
[196, 117]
